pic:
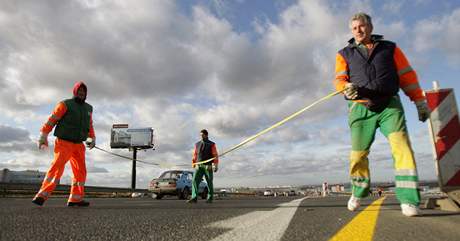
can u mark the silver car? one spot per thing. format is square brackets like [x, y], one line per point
[177, 183]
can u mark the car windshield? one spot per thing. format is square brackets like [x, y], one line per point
[171, 174]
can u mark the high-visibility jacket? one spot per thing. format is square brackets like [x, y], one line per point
[74, 120]
[75, 124]
[378, 75]
[204, 150]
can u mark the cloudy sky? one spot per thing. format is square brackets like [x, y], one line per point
[232, 67]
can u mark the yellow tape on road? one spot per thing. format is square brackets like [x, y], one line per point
[362, 226]
[271, 127]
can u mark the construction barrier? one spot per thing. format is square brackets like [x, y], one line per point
[444, 128]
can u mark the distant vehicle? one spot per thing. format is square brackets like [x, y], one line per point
[268, 193]
[176, 183]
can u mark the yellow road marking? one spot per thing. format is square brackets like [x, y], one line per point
[362, 226]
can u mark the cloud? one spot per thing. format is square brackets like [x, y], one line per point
[11, 134]
[148, 64]
[439, 34]
[392, 7]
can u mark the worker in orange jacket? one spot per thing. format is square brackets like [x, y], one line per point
[370, 71]
[73, 121]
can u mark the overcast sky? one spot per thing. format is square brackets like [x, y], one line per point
[232, 67]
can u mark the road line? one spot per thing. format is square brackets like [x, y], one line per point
[362, 226]
[259, 225]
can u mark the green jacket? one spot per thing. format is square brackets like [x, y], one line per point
[75, 124]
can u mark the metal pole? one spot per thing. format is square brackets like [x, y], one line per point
[133, 178]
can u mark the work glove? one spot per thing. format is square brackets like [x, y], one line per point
[42, 141]
[423, 110]
[90, 142]
[351, 91]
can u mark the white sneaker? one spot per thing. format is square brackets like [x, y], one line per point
[354, 203]
[409, 210]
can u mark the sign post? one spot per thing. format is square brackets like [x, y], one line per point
[133, 139]
[133, 177]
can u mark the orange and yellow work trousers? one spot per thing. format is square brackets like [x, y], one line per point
[66, 151]
[391, 121]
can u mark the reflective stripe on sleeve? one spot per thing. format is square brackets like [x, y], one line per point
[405, 70]
[341, 73]
[54, 117]
[49, 123]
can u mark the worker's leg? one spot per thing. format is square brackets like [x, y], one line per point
[208, 174]
[363, 124]
[61, 156]
[77, 161]
[393, 126]
[197, 177]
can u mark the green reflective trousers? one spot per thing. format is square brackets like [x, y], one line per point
[391, 121]
[206, 171]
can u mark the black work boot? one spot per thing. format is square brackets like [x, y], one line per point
[193, 200]
[78, 204]
[38, 201]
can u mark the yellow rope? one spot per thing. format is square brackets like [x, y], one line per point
[270, 128]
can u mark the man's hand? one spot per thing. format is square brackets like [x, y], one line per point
[351, 91]
[91, 142]
[42, 141]
[423, 110]
[215, 167]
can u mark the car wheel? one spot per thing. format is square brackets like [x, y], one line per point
[204, 194]
[159, 196]
[185, 193]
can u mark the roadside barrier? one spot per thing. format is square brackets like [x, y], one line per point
[444, 129]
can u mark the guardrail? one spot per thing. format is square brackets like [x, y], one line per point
[26, 189]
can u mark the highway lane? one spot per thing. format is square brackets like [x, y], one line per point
[245, 218]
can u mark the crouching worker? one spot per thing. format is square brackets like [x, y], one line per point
[73, 121]
[204, 150]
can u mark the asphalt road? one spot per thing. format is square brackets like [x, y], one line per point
[247, 218]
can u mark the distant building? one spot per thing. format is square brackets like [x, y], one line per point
[338, 188]
[28, 176]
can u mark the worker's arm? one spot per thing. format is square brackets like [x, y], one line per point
[91, 133]
[341, 72]
[408, 80]
[215, 154]
[91, 141]
[58, 112]
[215, 162]
[194, 157]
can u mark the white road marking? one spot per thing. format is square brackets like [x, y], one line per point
[259, 225]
